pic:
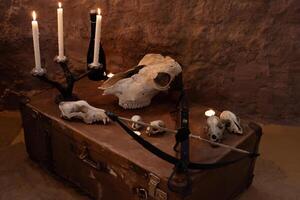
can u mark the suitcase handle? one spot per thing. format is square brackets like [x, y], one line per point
[84, 157]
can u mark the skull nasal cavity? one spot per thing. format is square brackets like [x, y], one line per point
[162, 79]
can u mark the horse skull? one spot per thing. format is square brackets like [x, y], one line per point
[155, 75]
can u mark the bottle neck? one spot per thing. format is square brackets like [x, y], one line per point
[93, 18]
[93, 29]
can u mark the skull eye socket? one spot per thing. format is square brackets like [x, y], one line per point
[220, 125]
[239, 128]
[162, 80]
[226, 122]
[214, 137]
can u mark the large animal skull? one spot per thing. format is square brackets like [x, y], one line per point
[233, 122]
[155, 74]
[82, 110]
[215, 129]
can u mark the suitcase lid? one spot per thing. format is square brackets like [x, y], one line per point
[114, 139]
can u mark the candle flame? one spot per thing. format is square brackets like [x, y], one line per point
[210, 113]
[34, 15]
[110, 75]
[59, 4]
[99, 11]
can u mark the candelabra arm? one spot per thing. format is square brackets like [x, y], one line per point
[68, 74]
[55, 84]
[81, 76]
[65, 90]
[70, 77]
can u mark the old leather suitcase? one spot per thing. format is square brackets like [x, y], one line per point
[106, 163]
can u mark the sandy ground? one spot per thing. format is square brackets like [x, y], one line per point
[277, 172]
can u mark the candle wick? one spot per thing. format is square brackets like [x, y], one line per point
[34, 16]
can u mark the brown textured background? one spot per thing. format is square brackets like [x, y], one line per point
[242, 55]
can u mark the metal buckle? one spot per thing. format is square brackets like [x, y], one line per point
[153, 182]
[161, 195]
[154, 179]
[84, 152]
[142, 193]
[153, 191]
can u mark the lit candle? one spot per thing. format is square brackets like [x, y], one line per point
[36, 43]
[110, 75]
[97, 39]
[60, 29]
[210, 113]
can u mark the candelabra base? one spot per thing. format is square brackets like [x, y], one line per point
[38, 71]
[58, 59]
[60, 98]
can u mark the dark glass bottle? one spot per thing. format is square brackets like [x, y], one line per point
[95, 74]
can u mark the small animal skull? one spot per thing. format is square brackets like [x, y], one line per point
[136, 118]
[215, 129]
[154, 74]
[154, 128]
[82, 110]
[233, 122]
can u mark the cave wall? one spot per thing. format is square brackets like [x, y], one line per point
[242, 55]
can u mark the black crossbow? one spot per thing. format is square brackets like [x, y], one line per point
[183, 163]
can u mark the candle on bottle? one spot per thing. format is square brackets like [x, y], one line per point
[97, 39]
[60, 32]
[36, 43]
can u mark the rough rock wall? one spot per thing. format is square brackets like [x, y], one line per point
[242, 55]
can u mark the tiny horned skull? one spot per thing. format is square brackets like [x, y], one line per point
[232, 122]
[215, 129]
[154, 129]
[82, 110]
[136, 126]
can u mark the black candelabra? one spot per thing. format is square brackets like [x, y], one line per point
[94, 73]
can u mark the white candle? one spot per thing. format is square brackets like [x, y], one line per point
[36, 43]
[97, 38]
[60, 29]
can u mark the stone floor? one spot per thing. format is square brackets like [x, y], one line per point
[277, 170]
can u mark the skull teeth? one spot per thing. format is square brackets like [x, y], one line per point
[94, 120]
[133, 105]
